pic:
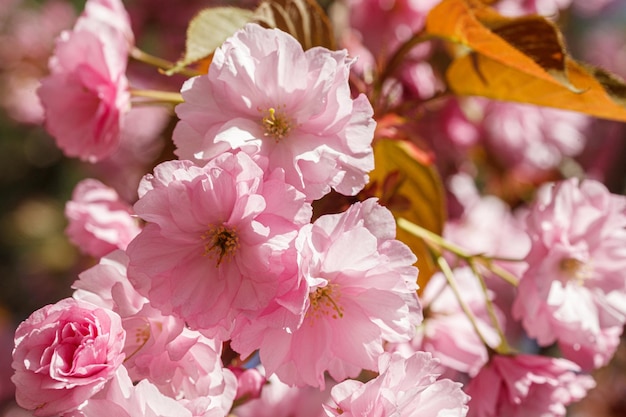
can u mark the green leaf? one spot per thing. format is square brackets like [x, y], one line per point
[208, 30]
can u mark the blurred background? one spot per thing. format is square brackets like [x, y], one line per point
[38, 264]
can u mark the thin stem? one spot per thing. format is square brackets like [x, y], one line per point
[435, 239]
[158, 62]
[503, 347]
[161, 96]
[398, 57]
[447, 272]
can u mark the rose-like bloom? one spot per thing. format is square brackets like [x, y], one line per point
[216, 239]
[526, 386]
[574, 291]
[181, 363]
[266, 96]
[86, 94]
[64, 353]
[405, 388]
[99, 221]
[361, 291]
[121, 398]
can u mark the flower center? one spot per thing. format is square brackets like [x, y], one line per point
[276, 124]
[221, 241]
[575, 269]
[324, 302]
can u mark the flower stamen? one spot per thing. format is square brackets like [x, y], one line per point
[324, 302]
[576, 269]
[221, 240]
[276, 124]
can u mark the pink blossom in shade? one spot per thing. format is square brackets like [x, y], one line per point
[86, 95]
[266, 96]
[216, 240]
[526, 386]
[64, 353]
[574, 291]
[99, 221]
[530, 138]
[384, 25]
[278, 399]
[180, 362]
[110, 13]
[406, 387]
[548, 8]
[250, 383]
[361, 286]
[446, 332]
[122, 398]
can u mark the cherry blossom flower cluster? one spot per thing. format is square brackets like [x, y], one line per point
[225, 287]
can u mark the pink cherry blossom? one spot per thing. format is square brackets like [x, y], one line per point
[65, 353]
[215, 241]
[99, 221]
[361, 291]
[266, 96]
[181, 363]
[86, 94]
[121, 398]
[574, 291]
[405, 388]
[249, 383]
[526, 386]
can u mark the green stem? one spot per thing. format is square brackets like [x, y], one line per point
[160, 96]
[447, 272]
[435, 239]
[503, 347]
[158, 62]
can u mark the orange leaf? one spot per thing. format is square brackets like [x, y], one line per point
[411, 190]
[600, 95]
[521, 59]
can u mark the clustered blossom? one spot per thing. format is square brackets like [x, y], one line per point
[526, 385]
[86, 94]
[361, 291]
[99, 221]
[405, 387]
[265, 96]
[228, 288]
[574, 291]
[217, 241]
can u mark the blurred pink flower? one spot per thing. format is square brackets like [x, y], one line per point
[86, 94]
[383, 25]
[361, 292]
[405, 388]
[548, 8]
[266, 96]
[526, 386]
[65, 353]
[180, 362]
[528, 138]
[99, 221]
[122, 398]
[215, 239]
[574, 291]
